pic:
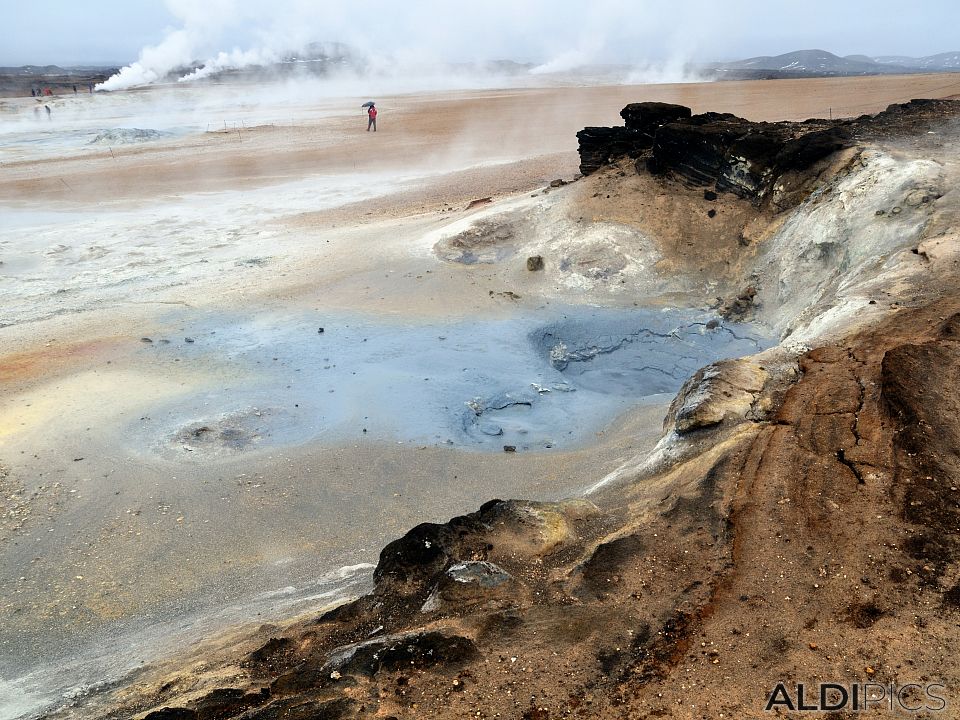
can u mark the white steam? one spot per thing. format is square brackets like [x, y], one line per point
[232, 61]
[154, 63]
[588, 51]
[428, 37]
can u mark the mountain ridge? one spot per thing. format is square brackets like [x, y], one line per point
[817, 62]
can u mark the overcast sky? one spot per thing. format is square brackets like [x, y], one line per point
[112, 31]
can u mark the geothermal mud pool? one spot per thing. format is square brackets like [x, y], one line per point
[483, 385]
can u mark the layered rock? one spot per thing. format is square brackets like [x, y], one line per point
[738, 156]
[716, 150]
[731, 154]
[600, 145]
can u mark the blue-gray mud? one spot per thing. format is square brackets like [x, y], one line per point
[530, 382]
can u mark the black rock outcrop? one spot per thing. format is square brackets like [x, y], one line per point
[726, 153]
[600, 145]
[717, 150]
[646, 117]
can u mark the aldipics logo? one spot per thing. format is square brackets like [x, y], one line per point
[857, 697]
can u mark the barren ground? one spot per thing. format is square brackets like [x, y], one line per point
[765, 556]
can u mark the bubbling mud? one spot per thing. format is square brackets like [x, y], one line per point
[534, 381]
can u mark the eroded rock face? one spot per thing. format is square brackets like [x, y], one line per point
[415, 563]
[713, 149]
[472, 583]
[726, 389]
[738, 156]
[299, 708]
[927, 449]
[600, 145]
[732, 154]
[172, 713]
[646, 117]
[395, 652]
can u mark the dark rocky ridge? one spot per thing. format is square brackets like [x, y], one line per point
[18, 81]
[820, 63]
[728, 153]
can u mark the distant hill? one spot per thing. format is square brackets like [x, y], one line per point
[941, 62]
[39, 71]
[19, 81]
[820, 63]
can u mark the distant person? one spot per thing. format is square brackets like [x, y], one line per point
[33, 93]
[49, 114]
[372, 117]
[74, 89]
[91, 89]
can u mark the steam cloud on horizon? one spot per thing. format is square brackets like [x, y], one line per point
[232, 34]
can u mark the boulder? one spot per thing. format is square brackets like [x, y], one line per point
[172, 713]
[472, 583]
[227, 702]
[412, 565]
[646, 117]
[723, 390]
[393, 652]
[299, 709]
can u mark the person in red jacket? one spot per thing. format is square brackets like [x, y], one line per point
[372, 117]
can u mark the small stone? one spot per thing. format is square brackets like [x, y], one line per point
[534, 263]
[188, 340]
[711, 213]
[319, 331]
[491, 429]
[709, 195]
[896, 211]
[146, 340]
[509, 448]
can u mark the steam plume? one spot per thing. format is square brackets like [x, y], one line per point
[551, 37]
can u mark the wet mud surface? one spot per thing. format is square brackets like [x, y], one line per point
[531, 382]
